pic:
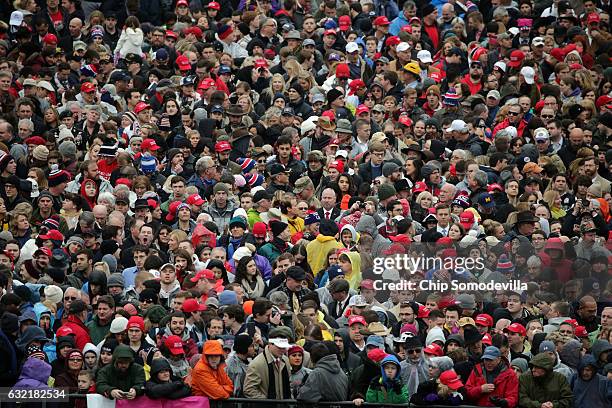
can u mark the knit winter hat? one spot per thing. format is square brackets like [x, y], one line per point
[277, 227]
[108, 150]
[117, 280]
[5, 158]
[242, 342]
[246, 163]
[148, 164]
[57, 176]
[333, 94]
[67, 149]
[386, 191]
[255, 180]
[53, 294]
[41, 153]
[504, 265]
[118, 325]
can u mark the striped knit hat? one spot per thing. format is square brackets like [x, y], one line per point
[5, 158]
[451, 98]
[246, 163]
[57, 176]
[255, 180]
[108, 150]
[148, 164]
[504, 265]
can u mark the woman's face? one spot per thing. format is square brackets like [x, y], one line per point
[106, 357]
[454, 233]
[516, 148]
[279, 103]
[410, 168]
[163, 375]
[434, 372]
[419, 129]
[22, 223]
[2, 206]
[251, 268]
[172, 243]
[590, 95]
[50, 116]
[426, 202]
[244, 103]
[90, 359]
[93, 152]
[181, 263]
[194, 139]
[295, 359]
[171, 108]
[75, 362]
[277, 84]
[343, 183]
[90, 189]
[516, 174]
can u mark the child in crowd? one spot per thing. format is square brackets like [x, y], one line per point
[388, 387]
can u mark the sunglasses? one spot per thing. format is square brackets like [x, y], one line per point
[75, 360]
[511, 113]
[415, 351]
[70, 298]
[476, 66]
[547, 116]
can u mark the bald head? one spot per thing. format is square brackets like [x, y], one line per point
[587, 309]
[576, 136]
[75, 27]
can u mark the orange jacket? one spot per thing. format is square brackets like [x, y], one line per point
[209, 382]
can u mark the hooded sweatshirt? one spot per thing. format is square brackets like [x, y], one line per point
[34, 374]
[206, 381]
[110, 378]
[599, 347]
[90, 348]
[383, 389]
[173, 389]
[594, 393]
[367, 224]
[326, 382]
[551, 387]
[317, 250]
[354, 278]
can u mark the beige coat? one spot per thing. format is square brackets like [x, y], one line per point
[256, 381]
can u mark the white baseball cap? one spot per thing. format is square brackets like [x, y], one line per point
[529, 74]
[457, 126]
[424, 56]
[403, 46]
[280, 342]
[541, 134]
[537, 41]
[351, 47]
[501, 65]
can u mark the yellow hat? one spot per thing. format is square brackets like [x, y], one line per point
[413, 67]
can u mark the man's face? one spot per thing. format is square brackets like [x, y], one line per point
[590, 168]
[588, 311]
[139, 259]
[606, 318]
[75, 27]
[104, 311]
[216, 328]
[443, 215]
[25, 112]
[355, 332]
[177, 325]
[451, 317]
[328, 199]
[146, 235]
[406, 315]
[70, 296]
[123, 364]
[82, 262]
[515, 114]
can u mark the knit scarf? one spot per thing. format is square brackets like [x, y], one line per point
[272, 382]
[280, 244]
[257, 291]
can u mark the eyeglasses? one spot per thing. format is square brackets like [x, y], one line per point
[513, 113]
[303, 208]
[67, 298]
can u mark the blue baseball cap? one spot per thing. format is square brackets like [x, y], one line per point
[491, 353]
[376, 341]
[224, 69]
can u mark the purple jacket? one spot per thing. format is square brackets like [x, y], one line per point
[253, 4]
[34, 374]
[262, 263]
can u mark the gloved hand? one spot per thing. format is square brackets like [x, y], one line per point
[499, 402]
[431, 397]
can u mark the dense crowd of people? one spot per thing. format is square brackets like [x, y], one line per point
[379, 201]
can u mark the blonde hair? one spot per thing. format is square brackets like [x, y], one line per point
[549, 197]
[422, 195]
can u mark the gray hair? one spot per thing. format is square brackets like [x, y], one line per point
[534, 262]
[106, 196]
[500, 12]
[26, 122]
[481, 178]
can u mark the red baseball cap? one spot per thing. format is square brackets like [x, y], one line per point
[140, 106]
[423, 312]
[171, 34]
[49, 39]
[53, 235]
[487, 339]
[419, 187]
[207, 83]
[203, 274]
[195, 199]
[593, 18]
[573, 322]
[516, 58]
[393, 40]
[260, 63]
[182, 62]
[466, 219]
[174, 343]
[495, 186]
[136, 322]
[344, 22]
[192, 305]
[88, 87]
[581, 332]
[381, 21]
[338, 165]
[182, 3]
[434, 350]
[362, 109]
[516, 328]
[222, 146]
[148, 144]
[367, 284]
[603, 100]
[195, 30]
[484, 319]
[172, 210]
[259, 229]
[214, 5]
[65, 331]
[44, 250]
[355, 319]
[405, 120]
[330, 32]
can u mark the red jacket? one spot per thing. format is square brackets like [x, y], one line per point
[80, 331]
[475, 87]
[506, 387]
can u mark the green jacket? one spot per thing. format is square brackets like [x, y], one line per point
[97, 332]
[253, 216]
[377, 393]
[269, 251]
[109, 378]
[552, 387]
